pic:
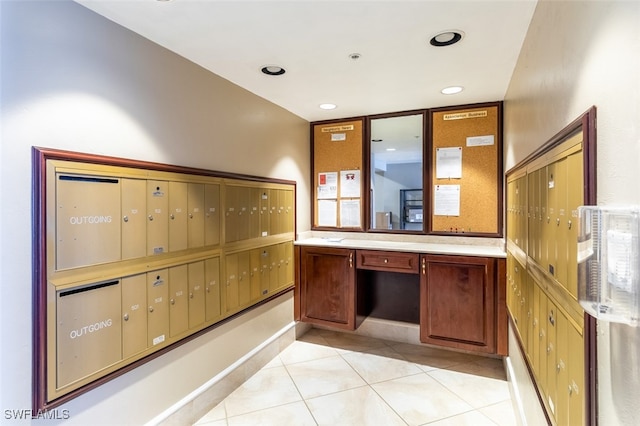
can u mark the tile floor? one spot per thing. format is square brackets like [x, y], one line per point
[333, 378]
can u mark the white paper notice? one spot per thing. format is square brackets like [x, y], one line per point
[328, 213]
[449, 163]
[349, 213]
[350, 184]
[447, 200]
[327, 185]
[480, 140]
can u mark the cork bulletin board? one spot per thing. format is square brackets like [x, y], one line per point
[466, 164]
[337, 150]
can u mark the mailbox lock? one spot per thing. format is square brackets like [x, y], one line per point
[172, 216]
[173, 301]
[150, 308]
[190, 295]
[126, 317]
[569, 224]
[126, 218]
[150, 217]
[190, 215]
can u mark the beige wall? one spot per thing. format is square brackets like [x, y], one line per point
[73, 80]
[578, 54]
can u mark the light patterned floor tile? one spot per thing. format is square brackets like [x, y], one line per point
[376, 366]
[351, 342]
[501, 413]
[324, 376]
[216, 414]
[428, 358]
[471, 418]
[358, 407]
[478, 391]
[420, 399]
[304, 351]
[295, 413]
[267, 388]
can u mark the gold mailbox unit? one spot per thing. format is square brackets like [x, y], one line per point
[555, 336]
[133, 258]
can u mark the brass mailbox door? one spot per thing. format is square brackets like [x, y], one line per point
[244, 210]
[264, 213]
[281, 249]
[88, 210]
[88, 330]
[274, 262]
[134, 315]
[544, 216]
[551, 352]
[134, 222]
[158, 306]
[265, 275]
[562, 216]
[576, 388]
[212, 278]
[157, 217]
[244, 278]
[562, 371]
[196, 294]
[256, 275]
[195, 223]
[178, 302]
[288, 220]
[231, 214]
[575, 198]
[274, 221]
[212, 214]
[231, 269]
[178, 216]
[254, 213]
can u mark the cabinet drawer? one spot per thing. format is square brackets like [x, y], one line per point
[387, 261]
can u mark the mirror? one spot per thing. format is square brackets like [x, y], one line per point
[396, 164]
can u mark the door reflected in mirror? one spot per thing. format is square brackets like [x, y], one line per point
[396, 148]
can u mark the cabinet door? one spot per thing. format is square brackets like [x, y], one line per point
[195, 224]
[178, 303]
[457, 305]
[327, 287]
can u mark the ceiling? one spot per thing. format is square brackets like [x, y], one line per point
[314, 41]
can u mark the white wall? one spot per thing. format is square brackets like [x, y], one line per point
[578, 54]
[73, 80]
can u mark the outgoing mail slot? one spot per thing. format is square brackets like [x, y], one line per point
[88, 330]
[87, 220]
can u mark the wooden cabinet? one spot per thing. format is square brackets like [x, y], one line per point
[328, 287]
[458, 305]
[461, 299]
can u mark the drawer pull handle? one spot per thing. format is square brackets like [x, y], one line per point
[350, 260]
[386, 261]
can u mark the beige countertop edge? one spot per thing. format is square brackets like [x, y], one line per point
[414, 247]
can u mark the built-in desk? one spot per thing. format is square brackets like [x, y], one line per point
[456, 293]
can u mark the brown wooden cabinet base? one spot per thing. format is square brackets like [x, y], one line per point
[461, 299]
[459, 303]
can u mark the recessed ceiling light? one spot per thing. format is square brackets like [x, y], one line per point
[273, 70]
[391, 149]
[452, 90]
[446, 38]
[327, 106]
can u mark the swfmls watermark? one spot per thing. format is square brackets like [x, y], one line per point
[29, 414]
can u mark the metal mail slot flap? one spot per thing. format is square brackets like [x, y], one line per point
[88, 330]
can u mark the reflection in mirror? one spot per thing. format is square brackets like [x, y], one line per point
[396, 173]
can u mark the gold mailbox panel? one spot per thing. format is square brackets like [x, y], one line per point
[158, 307]
[178, 302]
[88, 330]
[134, 315]
[134, 222]
[157, 217]
[87, 220]
[177, 216]
[196, 294]
[195, 222]
[212, 214]
[212, 278]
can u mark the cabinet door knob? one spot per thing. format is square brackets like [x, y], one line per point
[386, 261]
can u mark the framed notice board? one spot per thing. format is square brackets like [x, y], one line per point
[337, 159]
[466, 170]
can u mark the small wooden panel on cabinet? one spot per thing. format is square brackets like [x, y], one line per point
[328, 287]
[458, 302]
[388, 261]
